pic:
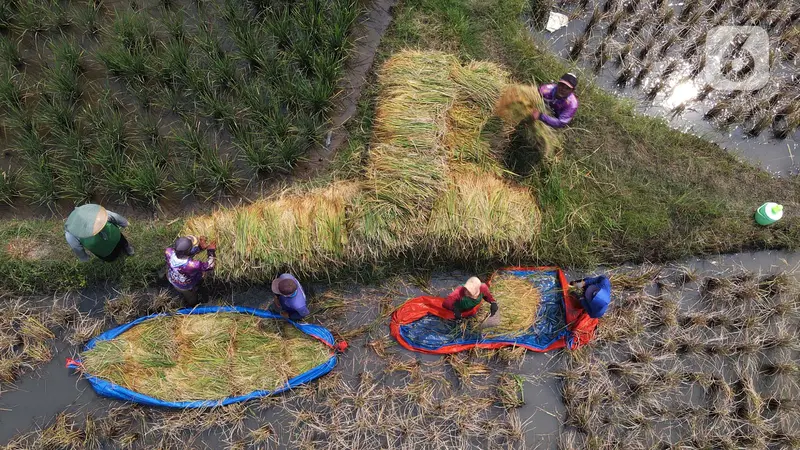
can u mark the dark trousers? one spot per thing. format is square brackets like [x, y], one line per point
[118, 250]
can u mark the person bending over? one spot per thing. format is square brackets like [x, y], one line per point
[466, 297]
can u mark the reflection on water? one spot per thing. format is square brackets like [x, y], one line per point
[655, 53]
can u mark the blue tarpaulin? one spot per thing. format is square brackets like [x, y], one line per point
[109, 389]
[422, 324]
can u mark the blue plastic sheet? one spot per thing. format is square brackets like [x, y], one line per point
[109, 389]
[434, 333]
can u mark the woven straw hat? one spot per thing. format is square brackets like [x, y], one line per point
[87, 220]
[473, 286]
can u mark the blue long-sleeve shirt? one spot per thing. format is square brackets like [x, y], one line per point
[598, 304]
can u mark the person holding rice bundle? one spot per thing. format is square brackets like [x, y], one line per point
[596, 295]
[465, 298]
[185, 273]
[93, 228]
[290, 299]
[560, 98]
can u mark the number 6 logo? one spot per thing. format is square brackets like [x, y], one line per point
[737, 58]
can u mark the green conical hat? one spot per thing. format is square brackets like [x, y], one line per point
[87, 220]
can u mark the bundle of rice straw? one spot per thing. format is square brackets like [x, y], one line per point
[518, 300]
[482, 216]
[306, 230]
[205, 356]
[516, 105]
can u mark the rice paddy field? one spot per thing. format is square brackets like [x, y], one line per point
[146, 105]
[155, 102]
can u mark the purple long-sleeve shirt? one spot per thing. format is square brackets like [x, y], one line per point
[294, 305]
[564, 109]
[186, 273]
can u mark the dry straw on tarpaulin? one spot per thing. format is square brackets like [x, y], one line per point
[205, 356]
[432, 185]
[518, 300]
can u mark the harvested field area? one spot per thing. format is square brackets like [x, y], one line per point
[709, 362]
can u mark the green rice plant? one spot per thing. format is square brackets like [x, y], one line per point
[9, 52]
[254, 149]
[10, 181]
[39, 15]
[218, 173]
[175, 61]
[6, 14]
[308, 128]
[253, 42]
[86, 16]
[187, 178]
[10, 92]
[41, 181]
[67, 55]
[217, 106]
[125, 63]
[288, 150]
[510, 392]
[193, 141]
[115, 177]
[30, 144]
[76, 180]
[132, 48]
[57, 115]
[222, 70]
[282, 27]
[149, 180]
[174, 23]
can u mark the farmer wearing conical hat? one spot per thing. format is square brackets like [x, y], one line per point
[467, 297]
[560, 98]
[93, 228]
[595, 295]
[184, 272]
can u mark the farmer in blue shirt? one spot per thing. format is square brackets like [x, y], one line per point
[290, 300]
[596, 295]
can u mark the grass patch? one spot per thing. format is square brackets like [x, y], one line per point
[205, 357]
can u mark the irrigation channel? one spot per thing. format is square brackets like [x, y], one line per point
[382, 396]
[654, 53]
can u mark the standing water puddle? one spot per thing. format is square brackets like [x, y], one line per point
[654, 53]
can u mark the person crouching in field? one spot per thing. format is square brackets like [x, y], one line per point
[290, 299]
[465, 298]
[185, 273]
[560, 98]
[595, 295]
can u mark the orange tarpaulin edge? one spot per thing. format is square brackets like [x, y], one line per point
[581, 326]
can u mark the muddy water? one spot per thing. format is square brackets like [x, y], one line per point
[677, 101]
[38, 397]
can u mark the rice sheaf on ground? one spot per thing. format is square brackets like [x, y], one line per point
[626, 188]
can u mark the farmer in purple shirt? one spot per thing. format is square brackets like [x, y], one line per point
[561, 99]
[185, 273]
[290, 300]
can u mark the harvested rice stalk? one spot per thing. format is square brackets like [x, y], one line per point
[306, 231]
[516, 105]
[482, 215]
[519, 302]
[480, 82]
[509, 390]
[205, 357]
